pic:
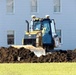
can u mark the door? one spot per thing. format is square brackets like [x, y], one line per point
[47, 34]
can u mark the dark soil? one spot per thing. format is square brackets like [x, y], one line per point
[22, 55]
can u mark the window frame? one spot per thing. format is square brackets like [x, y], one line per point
[34, 6]
[10, 36]
[12, 7]
[58, 6]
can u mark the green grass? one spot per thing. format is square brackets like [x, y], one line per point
[38, 69]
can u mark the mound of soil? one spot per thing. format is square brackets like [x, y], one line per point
[22, 55]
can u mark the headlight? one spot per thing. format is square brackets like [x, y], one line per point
[29, 35]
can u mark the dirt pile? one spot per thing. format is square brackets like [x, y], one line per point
[14, 55]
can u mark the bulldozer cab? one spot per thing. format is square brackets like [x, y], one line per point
[44, 24]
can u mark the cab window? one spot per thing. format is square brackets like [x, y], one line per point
[46, 26]
[37, 25]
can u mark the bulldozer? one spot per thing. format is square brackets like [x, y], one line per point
[40, 36]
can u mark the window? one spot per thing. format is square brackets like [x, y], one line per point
[58, 32]
[46, 26]
[37, 25]
[10, 37]
[10, 6]
[56, 5]
[33, 5]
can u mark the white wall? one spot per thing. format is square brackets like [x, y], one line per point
[65, 20]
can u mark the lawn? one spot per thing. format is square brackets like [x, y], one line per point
[38, 69]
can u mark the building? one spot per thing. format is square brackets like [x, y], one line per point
[13, 14]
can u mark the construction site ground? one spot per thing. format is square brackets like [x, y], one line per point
[23, 55]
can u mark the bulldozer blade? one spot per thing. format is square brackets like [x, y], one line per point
[38, 51]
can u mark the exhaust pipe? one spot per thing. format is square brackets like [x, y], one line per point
[27, 26]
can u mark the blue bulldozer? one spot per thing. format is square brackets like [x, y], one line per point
[41, 32]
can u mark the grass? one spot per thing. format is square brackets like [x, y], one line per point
[38, 69]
